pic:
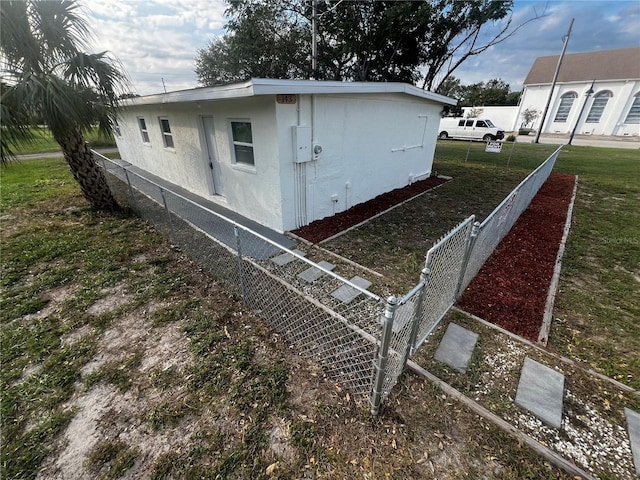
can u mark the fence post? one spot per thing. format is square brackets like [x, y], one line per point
[166, 209]
[511, 153]
[468, 149]
[243, 292]
[383, 353]
[467, 255]
[417, 317]
[133, 197]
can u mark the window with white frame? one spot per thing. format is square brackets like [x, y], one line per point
[597, 107]
[633, 117]
[566, 102]
[143, 130]
[165, 129]
[242, 138]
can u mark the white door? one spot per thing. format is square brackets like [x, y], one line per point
[212, 159]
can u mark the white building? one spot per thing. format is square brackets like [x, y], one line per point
[599, 92]
[285, 152]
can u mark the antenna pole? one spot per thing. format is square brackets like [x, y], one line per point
[314, 40]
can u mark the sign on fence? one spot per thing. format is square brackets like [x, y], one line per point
[493, 147]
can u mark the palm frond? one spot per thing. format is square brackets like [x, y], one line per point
[15, 128]
[61, 29]
[20, 47]
[52, 78]
[96, 71]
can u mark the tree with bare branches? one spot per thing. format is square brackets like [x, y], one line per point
[419, 42]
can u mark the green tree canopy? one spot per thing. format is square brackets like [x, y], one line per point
[420, 42]
[48, 77]
[494, 92]
[264, 40]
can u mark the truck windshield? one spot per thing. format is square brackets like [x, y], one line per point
[489, 124]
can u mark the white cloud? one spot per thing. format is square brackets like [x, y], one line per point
[595, 28]
[156, 39]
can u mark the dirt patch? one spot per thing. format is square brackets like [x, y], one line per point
[116, 298]
[511, 288]
[104, 413]
[327, 227]
[56, 297]
[76, 335]
[81, 435]
[162, 347]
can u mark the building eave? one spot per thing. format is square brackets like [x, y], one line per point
[262, 86]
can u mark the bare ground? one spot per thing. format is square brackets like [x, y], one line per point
[319, 431]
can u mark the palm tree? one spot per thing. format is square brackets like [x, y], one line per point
[47, 77]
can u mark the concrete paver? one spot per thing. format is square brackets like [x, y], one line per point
[285, 258]
[541, 391]
[312, 274]
[346, 294]
[633, 425]
[456, 347]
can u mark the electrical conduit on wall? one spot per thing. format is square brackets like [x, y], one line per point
[300, 182]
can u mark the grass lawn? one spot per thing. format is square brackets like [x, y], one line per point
[598, 305]
[395, 244]
[120, 356]
[44, 142]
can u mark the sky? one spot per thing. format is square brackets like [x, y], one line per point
[157, 40]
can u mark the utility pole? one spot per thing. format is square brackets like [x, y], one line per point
[553, 82]
[587, 94]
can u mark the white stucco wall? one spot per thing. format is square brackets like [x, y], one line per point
[612, 120]
[371, 144]
[364, 140]
[250, 191]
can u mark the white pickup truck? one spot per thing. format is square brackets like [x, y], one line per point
[470, 128]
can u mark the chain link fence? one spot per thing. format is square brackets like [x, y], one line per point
[496, 226]
[360, 340]
[295, 295]
[451, 264]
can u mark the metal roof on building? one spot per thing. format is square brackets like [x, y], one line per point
[621, 64]
[263, 86]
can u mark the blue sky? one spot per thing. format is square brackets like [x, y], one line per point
[157, 40]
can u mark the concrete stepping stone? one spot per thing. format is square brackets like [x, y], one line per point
[633, 424]
[456, 347]
[286, 258]
[541, 391]
[346, 294]
[312, 274]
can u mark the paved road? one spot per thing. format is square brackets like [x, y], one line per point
[578, 140]
[32, 156]
[584, 140]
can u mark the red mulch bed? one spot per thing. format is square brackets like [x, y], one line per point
[327, 227]
[511, 288]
